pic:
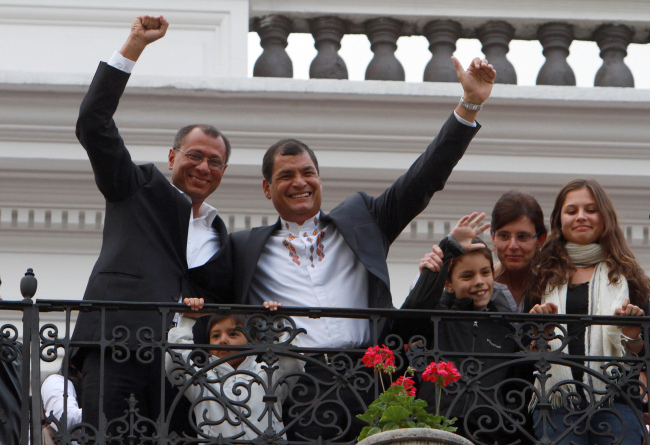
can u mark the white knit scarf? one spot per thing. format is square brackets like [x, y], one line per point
[600, 340]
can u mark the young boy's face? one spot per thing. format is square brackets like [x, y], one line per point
[472, 278]
[224, 333]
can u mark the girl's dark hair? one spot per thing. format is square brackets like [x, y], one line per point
[553, 266]
[248, 325]
[238, 319]
[514, 204]
[485, 251]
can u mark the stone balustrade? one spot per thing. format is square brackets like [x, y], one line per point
[612, 25]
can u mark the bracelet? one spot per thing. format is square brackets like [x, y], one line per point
[627, 339]
[472, 107]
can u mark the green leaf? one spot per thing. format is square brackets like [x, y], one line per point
[367, 417]
[390, 427]
[374, 430]
[395, 414]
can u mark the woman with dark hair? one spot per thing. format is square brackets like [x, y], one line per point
[586, 267]
[518, 232]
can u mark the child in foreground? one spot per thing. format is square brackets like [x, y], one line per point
[228, 397]
[467, 275]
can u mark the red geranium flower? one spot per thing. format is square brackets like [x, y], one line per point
[407, 383]
[380, 358]
[442, 373]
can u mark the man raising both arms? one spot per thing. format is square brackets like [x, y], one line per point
[159, 240]
[310, 258]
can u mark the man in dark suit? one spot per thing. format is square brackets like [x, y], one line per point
[160, 240]
[310, 258]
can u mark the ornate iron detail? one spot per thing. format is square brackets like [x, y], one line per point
[267, 402]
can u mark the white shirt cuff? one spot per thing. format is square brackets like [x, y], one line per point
[121, 63]
[461, 120]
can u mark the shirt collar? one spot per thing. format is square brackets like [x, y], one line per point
[311, 225]
[205, 211]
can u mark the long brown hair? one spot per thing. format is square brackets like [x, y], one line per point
[554, 267]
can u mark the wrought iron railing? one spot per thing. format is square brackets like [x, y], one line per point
[289, 394]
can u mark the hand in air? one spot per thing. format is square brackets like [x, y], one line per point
[467, 228]
[477, 80]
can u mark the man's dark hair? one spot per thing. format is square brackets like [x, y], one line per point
[208, 130]
[285, 147]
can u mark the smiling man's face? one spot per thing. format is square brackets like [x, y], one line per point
[198, 181]
[295, 187]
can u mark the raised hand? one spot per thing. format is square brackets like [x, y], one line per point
[432, 260]
[145, 30]
[477, 80]
[467, 228]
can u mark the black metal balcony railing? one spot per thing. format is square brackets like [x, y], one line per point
[329, 398]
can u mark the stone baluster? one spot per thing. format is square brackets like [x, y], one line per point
[327, 32]
[556, 39]
[383, 33]
[274, 60]
[613, 41]
[495, 37]
[442, 36]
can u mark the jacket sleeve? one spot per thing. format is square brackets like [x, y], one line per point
[396, 207]
[427, 293]
[115, 174]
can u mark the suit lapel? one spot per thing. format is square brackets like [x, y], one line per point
[183, 211]
[352, 232]
[254, 246]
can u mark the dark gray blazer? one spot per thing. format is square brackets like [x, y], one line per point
[143, 256]
[370, 225]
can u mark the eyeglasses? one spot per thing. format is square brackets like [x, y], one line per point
[196, 159]
[520, 238]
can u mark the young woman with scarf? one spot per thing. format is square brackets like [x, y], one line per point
[586, 268]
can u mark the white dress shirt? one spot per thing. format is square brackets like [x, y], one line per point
[52, 397]
[312, 265]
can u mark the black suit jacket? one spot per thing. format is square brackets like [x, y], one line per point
[143, 256]
[369, 225]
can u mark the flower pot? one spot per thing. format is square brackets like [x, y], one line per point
[415, 436]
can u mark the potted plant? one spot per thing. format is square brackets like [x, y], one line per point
[397, 416]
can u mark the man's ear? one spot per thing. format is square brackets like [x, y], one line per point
[267, 188]
[171, 157]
